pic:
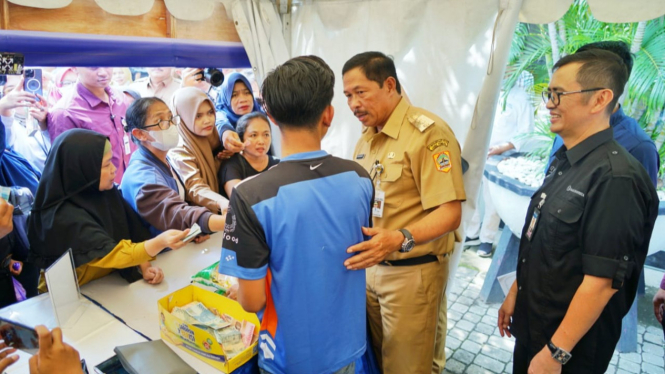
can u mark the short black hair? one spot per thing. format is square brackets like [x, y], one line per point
[376, 66]
[297, 92]
[137, 114]
[618, 47]
[599, 68]
[244, 121]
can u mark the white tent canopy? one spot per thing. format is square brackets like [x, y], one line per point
[450, 54]
[532, 11]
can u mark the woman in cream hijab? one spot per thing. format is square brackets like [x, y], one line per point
[195, 156]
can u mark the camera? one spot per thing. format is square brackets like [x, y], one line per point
[213, 76]
[20, 197]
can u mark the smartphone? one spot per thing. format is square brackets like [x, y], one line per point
[11, 63]
[33, 82]
[19, 336]
[111, 366]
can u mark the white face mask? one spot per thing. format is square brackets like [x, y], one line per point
[165, 139]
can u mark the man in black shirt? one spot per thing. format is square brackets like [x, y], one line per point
[586, 233]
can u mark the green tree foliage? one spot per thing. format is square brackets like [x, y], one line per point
[531, 50]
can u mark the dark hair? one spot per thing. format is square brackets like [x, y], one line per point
[599, 68]
[619, 48]
[244, 121]
[137, 114]
[297, 92]
[135, 95]
[376, 66]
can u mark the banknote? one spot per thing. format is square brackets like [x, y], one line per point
[205, 317]
[247, 333]
[231, 341]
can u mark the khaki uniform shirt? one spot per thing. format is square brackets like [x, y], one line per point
[422, 170]
[163, 90]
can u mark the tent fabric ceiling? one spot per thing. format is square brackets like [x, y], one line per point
[126, 7]
[532, 11]
[61, 49]
[44, 4]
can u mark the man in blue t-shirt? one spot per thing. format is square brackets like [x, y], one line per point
[627, 132]
[288, 230]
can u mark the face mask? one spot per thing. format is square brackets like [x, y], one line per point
[165, 139]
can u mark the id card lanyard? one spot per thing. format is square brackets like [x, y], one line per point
[536, 217]
[379, 195]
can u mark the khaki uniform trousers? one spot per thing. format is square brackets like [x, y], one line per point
[403, 308]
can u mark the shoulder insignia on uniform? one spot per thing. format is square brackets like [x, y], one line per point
[437, 143]
[442, 161]
[420, 121]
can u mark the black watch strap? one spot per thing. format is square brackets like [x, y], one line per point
[558, 354]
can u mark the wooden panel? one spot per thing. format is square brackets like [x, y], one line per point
[4, 15]
[86, 17]
[216, 27]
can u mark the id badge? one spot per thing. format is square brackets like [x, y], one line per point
[379, 199]
[533, 224]
[128, 149]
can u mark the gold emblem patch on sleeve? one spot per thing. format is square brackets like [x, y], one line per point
[437, 143]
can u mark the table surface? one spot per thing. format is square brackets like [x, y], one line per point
[95, 334]
[134, 303]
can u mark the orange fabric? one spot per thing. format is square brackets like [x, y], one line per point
[269, 322]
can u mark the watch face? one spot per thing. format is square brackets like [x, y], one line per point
[561, 356]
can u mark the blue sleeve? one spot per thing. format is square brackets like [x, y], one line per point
[647, 155]
[223, 124]
[556, 144]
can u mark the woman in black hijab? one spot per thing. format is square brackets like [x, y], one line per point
[77, 206]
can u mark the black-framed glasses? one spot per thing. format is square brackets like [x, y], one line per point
[555, 96]
[166, 123]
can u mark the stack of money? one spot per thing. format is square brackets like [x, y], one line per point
[234, 336]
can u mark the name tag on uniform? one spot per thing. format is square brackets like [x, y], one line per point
[379, 199]
[125, 139]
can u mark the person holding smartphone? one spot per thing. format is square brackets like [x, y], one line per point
[24, 117]
[54, 355]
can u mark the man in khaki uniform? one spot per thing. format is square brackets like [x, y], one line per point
[414, 160]
[159, 83]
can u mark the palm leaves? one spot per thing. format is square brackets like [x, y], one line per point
[531, 50]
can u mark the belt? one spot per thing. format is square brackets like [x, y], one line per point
[410, 261]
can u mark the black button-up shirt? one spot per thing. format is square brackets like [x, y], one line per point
[597, 211]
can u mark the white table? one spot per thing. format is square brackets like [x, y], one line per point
[95, 334]
[136, 303]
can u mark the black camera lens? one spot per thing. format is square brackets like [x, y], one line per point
[213, 76]
[29, 73]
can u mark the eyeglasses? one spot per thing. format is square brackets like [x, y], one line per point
[166, 123]
[555, 96]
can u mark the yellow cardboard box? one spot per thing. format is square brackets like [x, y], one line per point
[199, 342]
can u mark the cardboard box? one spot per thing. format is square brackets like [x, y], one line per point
[199, 342]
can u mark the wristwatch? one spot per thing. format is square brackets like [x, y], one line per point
[408, 243]
[558, 353]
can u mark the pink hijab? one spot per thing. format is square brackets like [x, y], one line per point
[55, 94]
